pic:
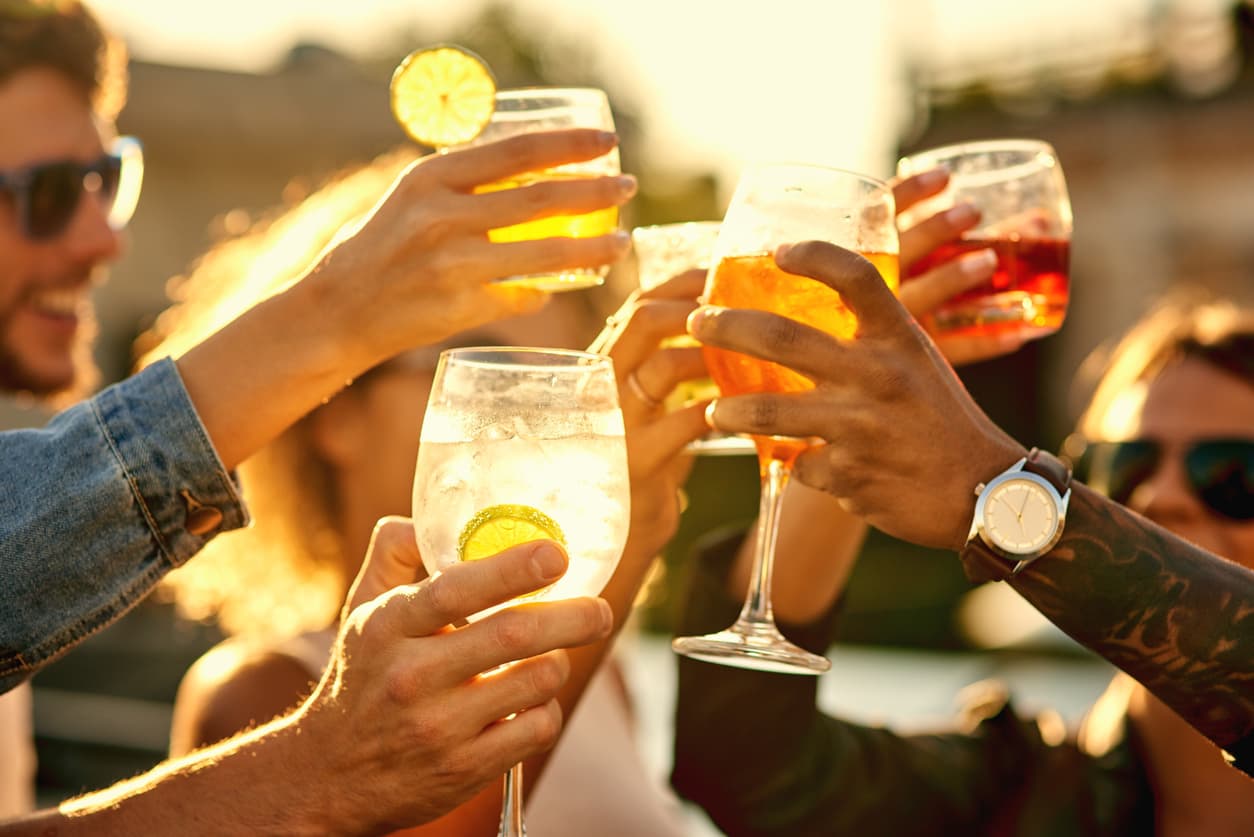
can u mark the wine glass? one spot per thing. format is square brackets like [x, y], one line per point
[520, 444]
[1025, 218]
[777, 204]
[662, 251]
[529, 109]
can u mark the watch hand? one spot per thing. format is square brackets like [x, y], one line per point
[1026, 497]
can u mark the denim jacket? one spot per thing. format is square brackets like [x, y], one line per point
[96, 507]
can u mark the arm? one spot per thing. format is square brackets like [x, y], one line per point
[906, 446]
[754, 751]
[399, 730]
[419, 269]
[103, 503]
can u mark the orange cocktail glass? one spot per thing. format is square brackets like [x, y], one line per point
[773, 205]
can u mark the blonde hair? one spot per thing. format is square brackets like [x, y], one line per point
[284, 574]
[1188, 322]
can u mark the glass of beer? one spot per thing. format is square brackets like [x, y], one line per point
[1018, 187]
[773, 205]
[547, 109]
[663, 251]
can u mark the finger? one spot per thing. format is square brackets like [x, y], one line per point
[925, 293]
[545, 199]
[964, 349]
[686, 285]
[666, 438]
[466, 588]
[907, 191]
[647, 323]
[798, 414]
[519, 632]
[468, 167]
[762, 334]
[481, 260]
[856, 280]
[656, 379]
[515, 688]
[392, 559]
[942, 228]
[502, 745]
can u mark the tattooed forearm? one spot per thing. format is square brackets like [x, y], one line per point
[1175, 617]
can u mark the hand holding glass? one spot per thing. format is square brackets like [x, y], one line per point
[519, 444]
[1025, 218]
[547, 109]
[773, 205]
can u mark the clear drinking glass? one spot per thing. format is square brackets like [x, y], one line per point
[532, 109]
[519, 444]
[1025, 218]
[773, 205]
[663, 251]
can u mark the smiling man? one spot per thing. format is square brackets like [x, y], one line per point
[62, 81]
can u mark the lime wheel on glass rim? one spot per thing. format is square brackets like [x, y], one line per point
[443, 95]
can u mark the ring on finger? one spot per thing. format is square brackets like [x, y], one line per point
[633, 383]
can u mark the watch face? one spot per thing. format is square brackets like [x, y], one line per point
[1020, 516]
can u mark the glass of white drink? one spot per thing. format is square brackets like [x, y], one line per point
[518, 445]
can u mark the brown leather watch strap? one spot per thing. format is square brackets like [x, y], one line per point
[980, 562]
[1045, 464]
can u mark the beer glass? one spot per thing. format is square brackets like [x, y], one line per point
[547, 109]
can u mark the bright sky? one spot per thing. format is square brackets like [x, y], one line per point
[721, 82]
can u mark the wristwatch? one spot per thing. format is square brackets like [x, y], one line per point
[1019, 516]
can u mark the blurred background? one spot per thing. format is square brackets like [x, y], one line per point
[1150, 104]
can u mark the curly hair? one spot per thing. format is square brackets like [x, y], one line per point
[64, 36]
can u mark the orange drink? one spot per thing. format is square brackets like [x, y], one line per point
[774, 205]
[757, 282]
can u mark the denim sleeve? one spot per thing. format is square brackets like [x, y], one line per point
[96, 507]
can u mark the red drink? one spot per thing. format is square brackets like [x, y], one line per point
[1027, 293]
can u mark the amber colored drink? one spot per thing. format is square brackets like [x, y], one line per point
[1027, 293]
[588, 225]
[757, 282]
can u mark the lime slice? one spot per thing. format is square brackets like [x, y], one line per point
[443, 95]
[500, 527]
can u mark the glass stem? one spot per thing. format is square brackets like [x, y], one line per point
[757, 609]
[511, 805]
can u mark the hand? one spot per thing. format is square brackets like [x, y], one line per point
[656, 439]
[922, 294]
[408, 712]
[906, 445]
[420, 267]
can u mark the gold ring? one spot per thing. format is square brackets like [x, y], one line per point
[633, 383]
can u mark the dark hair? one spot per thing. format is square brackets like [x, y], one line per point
[63, 36]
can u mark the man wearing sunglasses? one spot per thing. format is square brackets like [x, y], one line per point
[1164, 590]
[123, 487]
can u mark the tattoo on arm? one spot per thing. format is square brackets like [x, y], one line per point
[1175, 617]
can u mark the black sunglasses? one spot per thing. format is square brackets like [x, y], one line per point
[1220, 471]
[46, 195]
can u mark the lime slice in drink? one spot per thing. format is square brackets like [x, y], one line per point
[499, 527]
[443, 95]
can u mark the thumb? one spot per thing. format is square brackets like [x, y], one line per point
[392, 559]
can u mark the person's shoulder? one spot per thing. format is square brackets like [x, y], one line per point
[234, 686]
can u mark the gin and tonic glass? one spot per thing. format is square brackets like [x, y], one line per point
[520, 444]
